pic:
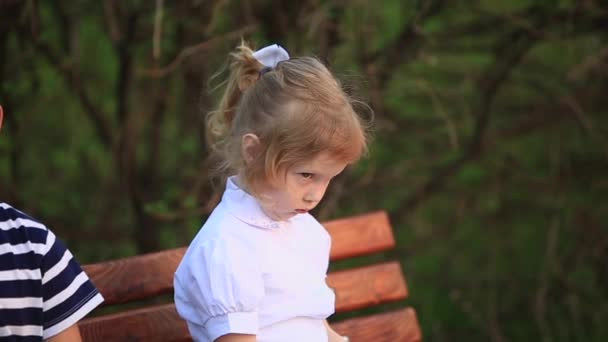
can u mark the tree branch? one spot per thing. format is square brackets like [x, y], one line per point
[158, 29]
[102, 126]
[512, 49]
[125, 62]
[195, 49]
[407, 44]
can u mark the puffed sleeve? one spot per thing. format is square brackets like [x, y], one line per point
[218, 287]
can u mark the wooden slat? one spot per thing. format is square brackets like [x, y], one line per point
[359, 235]
[395, 326]
[162, 324]
[142, 276]
[367, 286]
[356, 288]
[138, 277]
[155, 324]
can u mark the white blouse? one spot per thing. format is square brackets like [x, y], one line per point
[246, 273]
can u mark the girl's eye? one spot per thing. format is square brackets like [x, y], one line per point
[306, 175]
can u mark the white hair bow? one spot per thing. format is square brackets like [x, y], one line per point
[271, 55]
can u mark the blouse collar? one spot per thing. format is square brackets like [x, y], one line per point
[246, 208]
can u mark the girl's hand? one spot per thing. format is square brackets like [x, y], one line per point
[333, 335]
[237, 338]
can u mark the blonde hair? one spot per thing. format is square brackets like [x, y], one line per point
[297, 110]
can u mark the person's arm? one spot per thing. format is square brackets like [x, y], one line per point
[333, 335]
[71, 334]
[237, 338]
[61, 276]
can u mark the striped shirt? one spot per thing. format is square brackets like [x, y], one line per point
[43, 290]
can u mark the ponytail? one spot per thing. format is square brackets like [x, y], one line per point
[244, 71]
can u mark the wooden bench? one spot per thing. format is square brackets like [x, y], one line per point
[140, 277]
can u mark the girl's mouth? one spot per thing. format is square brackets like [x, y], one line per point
[301, 211]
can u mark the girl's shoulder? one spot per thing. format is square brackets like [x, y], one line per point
[224, 229]
[312, 226]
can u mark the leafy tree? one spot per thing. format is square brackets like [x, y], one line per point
[490, 147]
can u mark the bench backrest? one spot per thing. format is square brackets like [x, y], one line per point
[146, 276]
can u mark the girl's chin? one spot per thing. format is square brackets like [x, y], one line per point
[286, 217]
[282, 216]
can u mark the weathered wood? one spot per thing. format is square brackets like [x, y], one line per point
[355, 288]
[360, 235]
[366, 286]
[162, 324]
[395, 326]
[143, 276]
[134, 278]
[159, 323]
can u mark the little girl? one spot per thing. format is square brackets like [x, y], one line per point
[256, 270]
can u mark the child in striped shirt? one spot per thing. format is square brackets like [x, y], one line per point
[43, 290]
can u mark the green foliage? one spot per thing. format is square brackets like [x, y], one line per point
[508, 243]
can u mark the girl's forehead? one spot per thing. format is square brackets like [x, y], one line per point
[324, 163]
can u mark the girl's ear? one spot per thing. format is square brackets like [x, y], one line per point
[1, 117]
[250, 144]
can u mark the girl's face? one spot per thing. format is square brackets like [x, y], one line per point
[302, 188]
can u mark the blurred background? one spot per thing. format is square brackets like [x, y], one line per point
[490, 150]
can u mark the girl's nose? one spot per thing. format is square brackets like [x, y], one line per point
[316, 194]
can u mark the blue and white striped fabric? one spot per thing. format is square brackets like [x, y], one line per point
[43, 290]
